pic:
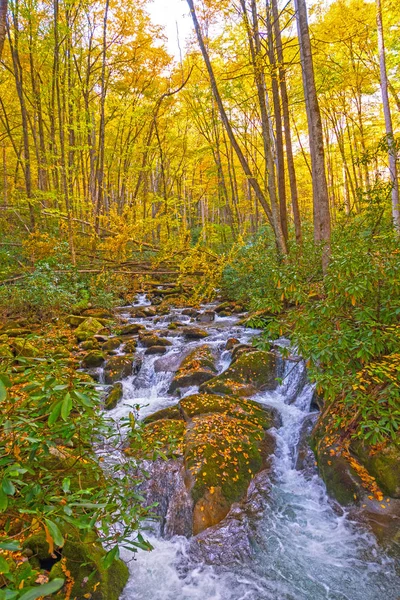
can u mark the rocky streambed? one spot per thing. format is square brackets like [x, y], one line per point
[241, 510]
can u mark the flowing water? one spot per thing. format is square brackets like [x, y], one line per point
[304, 547]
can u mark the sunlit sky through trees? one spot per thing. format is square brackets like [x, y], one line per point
[174, 16]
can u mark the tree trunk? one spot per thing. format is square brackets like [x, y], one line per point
[286, 123]
[224, 118]
[3, 23]
[322, 221]
[388, 119]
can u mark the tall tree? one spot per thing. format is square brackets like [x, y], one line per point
[392, 151]
[322, 221]
[3, 23]
[286, 123]
[274, 222]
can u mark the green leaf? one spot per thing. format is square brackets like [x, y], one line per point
[3, 501]
[3, 391]
[6, 380]
[54, 413]
[11, 546]
[8, 487]
[86, 401]
[43, 590]
[4, 566]
[66, 407]
[55, 533]
[66, 484]
[108, 559]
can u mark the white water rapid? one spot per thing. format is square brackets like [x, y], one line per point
[304, 547]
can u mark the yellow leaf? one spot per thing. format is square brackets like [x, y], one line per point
[49, 540]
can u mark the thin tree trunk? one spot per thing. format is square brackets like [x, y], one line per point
[322, 221]
[388, 119]
[3, 23]
[224, 118]
[280, 162]
[286, 123]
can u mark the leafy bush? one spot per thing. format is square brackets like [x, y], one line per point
[50, 478]
[347, 324]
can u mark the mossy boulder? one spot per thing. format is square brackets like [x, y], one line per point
[79, 562]
[24, 348]
[5, 351]
[89, 345]
[111, 344]
[171, 412]
[98, 313]
[194, 333]
[118, 367]
[150, 340]
[130, 329]
[166, 434]
[87, 329]
[196, 368]
[61, 352]
[17, 331]
[251, 372]
[93, 359]
[382, 463]
[129, 347]
[114, 396]
[156, 350]
[223, 444]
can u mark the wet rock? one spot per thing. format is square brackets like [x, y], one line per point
[117, 367]
[249, 373]
[166, 489]
[114, 396]
[196, 368]
[111, 344]
[89, 345]
[230, 541]
[82, 558]
[129, 347]
[231, 343]
[131, 329]
[170, 363]
[223, 441]
[207, 316]
[194, 333]
[156, 350]
[87, 329]
[190, 312]
[383, 464]
[153, 340]
[93, 359]
[224, 306]
[305, 457]
[226, 543]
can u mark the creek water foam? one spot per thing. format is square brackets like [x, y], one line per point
[304, 547]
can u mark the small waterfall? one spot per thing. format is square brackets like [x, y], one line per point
[302, 546]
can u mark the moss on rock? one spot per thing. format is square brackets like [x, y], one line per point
[198, 367]
[114, 396]
[117, 367]
[251, 371]
[79, 562]
[87, 329]
[93, 359]
[24, 348]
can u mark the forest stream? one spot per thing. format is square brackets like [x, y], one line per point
[287, 540]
